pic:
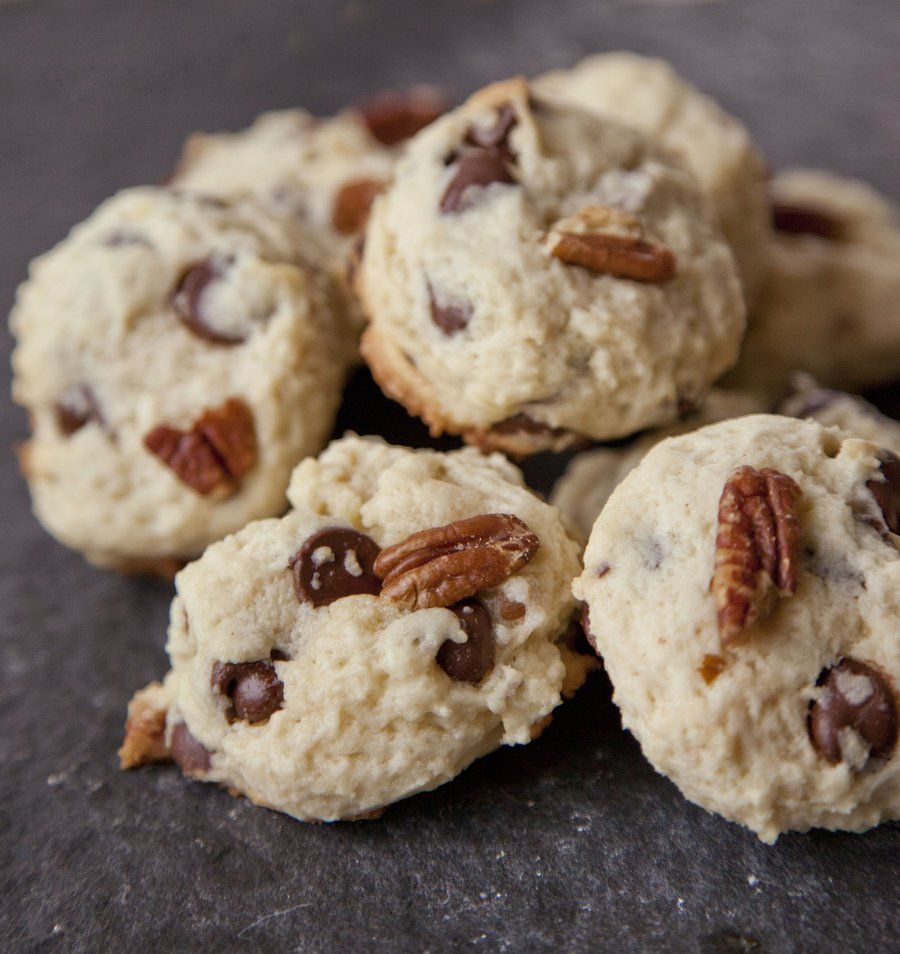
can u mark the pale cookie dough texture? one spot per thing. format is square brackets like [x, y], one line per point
[591, 476]
[849, 412]
[189, 323]
[832, 302]
[794, 725]
[648, 94]
[537, 274]
[324, 172]
[354, 708]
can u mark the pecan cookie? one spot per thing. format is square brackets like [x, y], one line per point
[648, 94]
[742, 587]
[325, 172]
[831, 305]
[410, 614]
[591, 476]
[537, 274]
[177, 358]
[849, 412]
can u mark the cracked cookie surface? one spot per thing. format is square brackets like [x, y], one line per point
[831, 302]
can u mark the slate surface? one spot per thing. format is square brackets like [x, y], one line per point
[572, 843]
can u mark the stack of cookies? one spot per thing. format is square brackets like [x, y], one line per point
[589, 256]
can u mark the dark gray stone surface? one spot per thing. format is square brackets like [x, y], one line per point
[572, 843]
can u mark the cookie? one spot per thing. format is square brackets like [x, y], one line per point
[177, 357]
[325, 172]
[591, 476]
[410, 614]
[648, 94]
[832, 302]
[536, 275]
[742, 588]
[849, 412]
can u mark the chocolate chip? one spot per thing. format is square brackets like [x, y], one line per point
[472, 660]
[450, 318]
[77, 408]
[793, 219]
[188, 300]
[190, 755]
[496, 135]
[254, 689]
[333, 563]
[855, 696]
[475, 168]
[394, 116]
[350, 210]
[886, 490]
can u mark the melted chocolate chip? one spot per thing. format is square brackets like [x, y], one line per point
[254, 689]
[333, 563]
[855, 696]
[475, 168]
[77, 408]
[394, 116]
[793, 219]
[450, 318]
[188, 301]
[472, 660]
[190, 755]
[886, 490]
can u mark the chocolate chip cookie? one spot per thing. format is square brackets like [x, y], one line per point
[591, 476]
[177, 356]
[410, 614]
[537, 274]
[648, 94]
[831, 305]
[833, 408]
[324, 172]
[742, 587]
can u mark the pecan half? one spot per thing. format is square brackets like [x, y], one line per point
[443, 565]
[209, 458]
[757, 548]
[610, 242]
